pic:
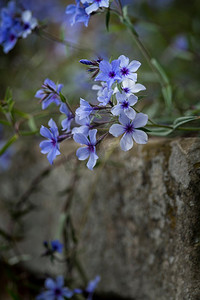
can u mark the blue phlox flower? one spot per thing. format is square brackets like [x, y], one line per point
[92, 286]
[55, 290]
[104, 93]
[49, 93]
[15, 24]
[51, 146]
[110, 72]
[90, 149]
[29, 23]
[129, 130]
[56, 246]
[78, 13]
[127, 69]
[85, 125]
[180, 42]
[124, 104]
[95, 5]
[131, 87]
[84, 110]
[66, 123]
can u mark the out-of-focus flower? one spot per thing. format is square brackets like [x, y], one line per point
[56, 246]
[49, 93]
[95, 5]
[51, 146]
[55, 290]
[78, 13]
[84, 110]
[180, 42]
[129, 130]
[66, 123]
[90, 149]
[6, 157]
[15, 23]
[92, 286]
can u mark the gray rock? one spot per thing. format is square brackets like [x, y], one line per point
[137, 217]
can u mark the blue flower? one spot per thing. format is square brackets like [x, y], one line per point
[51, 146]
[84, 110]
[49, 93]
[55, 290]
[124, 104]
[127, 69]
[6, 157]
[130, 87]
[15, 24]
[95, 5]
[92, 286]
[110, 72]
[90, 149]
[78, 13]
[104, 93]
[56, 246]
[66, 123]
[85, 126]
[130, 131]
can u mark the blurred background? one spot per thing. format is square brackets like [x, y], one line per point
[169, 29]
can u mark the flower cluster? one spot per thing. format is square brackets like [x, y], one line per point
[114, 112]
[55, 289]
[81, 11]
[15, 23]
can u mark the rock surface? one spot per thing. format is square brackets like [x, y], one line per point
[137, 217]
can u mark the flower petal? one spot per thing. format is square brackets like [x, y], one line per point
[132, 100]
[92, 136]
[140, 136]
[80, 139]
[130, 113]
[92, 160]
[49, 283]
[126, 142]
[45, 132]
[124, 61]
[116, 130]
[134, 65]
[140, 120]
[82, 153]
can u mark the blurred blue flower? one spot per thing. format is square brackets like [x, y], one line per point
[56, 246]
[78, 13]
[49, 93]
[15, 23]
[84, 110]
[66, 123]
[95, 5]
[51, 146]
[55, 290]
[90, 149]
[180, 42]
[92, 286]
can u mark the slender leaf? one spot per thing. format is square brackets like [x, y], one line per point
[8, 144]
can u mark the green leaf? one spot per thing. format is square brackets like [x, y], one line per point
[32, 125]
[127, 22]
[62, 98]
[166, 87]
[8, 144]
[107, 19]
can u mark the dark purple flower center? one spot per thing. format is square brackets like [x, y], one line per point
[129, 128]
[57, 292]
[126, 90]
[26, 26]
[111, 74]
[98, 1]
[53, 141]
[12, 37]
[91, 148]
[124, 71]
[125, 104]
